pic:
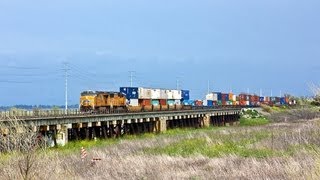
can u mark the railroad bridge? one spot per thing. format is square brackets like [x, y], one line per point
[64, 126]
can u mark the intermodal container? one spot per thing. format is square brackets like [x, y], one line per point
[188, 102]
[177, 94]
[163, 102]
[177, 102]
[243, 103]
[234, 98]
[267, 99]
[185, 94]
[224, 97]
[224, 103]
[230, 97]
[170, 102]
[282, 100]
[155, 94]
[144, 102]
[163, 94]
[209, 103]
[261, 99]
[219, 96]
[215, 103]
[134, 102]
[144, 93]
[169, 94]
[209, 96]
[198, 103]
[205, 102]
[287, 100]
[244, 97]
[155, 102]
[130, 92]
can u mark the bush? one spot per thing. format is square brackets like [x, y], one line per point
[266, 108]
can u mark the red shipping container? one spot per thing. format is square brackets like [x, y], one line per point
[198, 103]
[243, 97]
[163, 102]
[145, 102]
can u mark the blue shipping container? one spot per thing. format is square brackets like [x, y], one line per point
[210, 103]
[130, 92]
[282, 100]
[261, 99]
[185, 94]
[219, 95]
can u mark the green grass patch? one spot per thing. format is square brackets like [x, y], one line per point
[75, 146]
[225, 145]
[253, 122]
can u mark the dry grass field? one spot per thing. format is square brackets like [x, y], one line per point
[285, 149]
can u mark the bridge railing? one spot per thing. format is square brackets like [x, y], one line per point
[20, 114]
[37, 113]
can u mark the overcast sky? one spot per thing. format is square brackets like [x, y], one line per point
[273, 45]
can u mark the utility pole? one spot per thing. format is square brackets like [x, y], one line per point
[66, 85]
[131, 78]
[208, 87]
[178, 83]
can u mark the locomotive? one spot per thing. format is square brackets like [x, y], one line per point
[102, 101]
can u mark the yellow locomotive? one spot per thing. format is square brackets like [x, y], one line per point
[102, 101]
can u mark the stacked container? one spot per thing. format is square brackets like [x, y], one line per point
[132, 95]
[145, 93]
[185, 95]
[139, 96]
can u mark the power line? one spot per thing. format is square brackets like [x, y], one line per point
[15, 82]
[20, 67]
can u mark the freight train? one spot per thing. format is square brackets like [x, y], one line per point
[136, 99]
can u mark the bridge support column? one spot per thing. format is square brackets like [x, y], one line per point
[63, 134]
[206, 121]
[162, 124]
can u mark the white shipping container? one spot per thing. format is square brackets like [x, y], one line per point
[209, 96]
[234, 97]
[144, 93]
[177, 102]
[247, 103]
[205, 102]
[163, 94]
[169, 94]
[177, 94]
[134, 102]
[155, 94]
[215, 97]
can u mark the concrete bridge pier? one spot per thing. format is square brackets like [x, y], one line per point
[161, 124]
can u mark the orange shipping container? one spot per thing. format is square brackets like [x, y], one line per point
[230, 96]
[145, 102]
